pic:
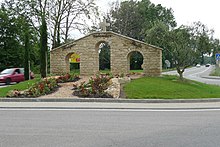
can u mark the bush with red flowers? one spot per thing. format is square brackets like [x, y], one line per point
[43, 87]
[94, 88]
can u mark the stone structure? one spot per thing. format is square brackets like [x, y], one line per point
[121, 48]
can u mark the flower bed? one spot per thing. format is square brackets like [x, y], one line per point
[96, 87]
[43, 87]
[67, 78]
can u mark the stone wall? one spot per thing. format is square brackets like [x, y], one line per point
[120, 47]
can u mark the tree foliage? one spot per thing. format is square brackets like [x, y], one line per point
[59, 16]
[104, 56]
[134, 18]
[43, 48]
[64, 17]
[11, 39]
[180, 49]
[27, 54]
[202, 38]
[126, 19]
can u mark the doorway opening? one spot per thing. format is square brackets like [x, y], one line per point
[104, 57]
[74, 63]
[135, 61]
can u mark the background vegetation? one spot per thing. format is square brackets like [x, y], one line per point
[49, 24]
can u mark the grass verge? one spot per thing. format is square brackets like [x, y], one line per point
[216, 72]
[21, 86]
[169, 87]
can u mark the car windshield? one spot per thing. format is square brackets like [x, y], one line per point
[22, 70]
[7, 71]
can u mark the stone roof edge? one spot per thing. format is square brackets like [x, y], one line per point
[72, 42]
[126, 37]
[129, 38]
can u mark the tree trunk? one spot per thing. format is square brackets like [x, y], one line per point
[27, 55]
[180, 72]
[203, 60]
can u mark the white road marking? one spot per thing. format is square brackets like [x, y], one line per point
[117, 110]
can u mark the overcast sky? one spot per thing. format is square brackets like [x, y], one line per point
[188, 11]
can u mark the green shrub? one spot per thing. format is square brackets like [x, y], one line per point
[67, 78]
[94, 88]
[44, 86]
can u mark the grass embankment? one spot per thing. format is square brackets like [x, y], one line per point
[169, 87]
[216, 72]
[21, 86]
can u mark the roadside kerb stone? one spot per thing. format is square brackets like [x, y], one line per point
[210, 77]
[108, 100]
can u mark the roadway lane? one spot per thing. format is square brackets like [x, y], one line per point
[198, 74]
[105, 128]
[2, 85]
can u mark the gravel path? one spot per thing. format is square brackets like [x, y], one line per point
[65, 90]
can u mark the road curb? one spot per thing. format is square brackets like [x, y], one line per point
[211, 77]
[108, 100]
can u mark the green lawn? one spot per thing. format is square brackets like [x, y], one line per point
[21, 86]
[169, 87]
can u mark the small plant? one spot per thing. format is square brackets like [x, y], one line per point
[42, 87]
[94, 88]
[67, 78]
[14, 93]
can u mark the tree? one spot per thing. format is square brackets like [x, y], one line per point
[126, 19]
[43, 48]
[152, 13]
[180, 48]
[157, 35]
[58, 14]
[10, 40]
[134, 18]
[202, 38]
[35, 12]
[215, 48]
[27, 54]
[64, 15]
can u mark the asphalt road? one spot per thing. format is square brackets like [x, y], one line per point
[4, 85]
[109, 128]
[199, 74]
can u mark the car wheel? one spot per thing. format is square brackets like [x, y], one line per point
[8, 81]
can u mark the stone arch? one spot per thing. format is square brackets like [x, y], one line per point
[97, 47]
[67, 64]
[129, 57]
[120, 47]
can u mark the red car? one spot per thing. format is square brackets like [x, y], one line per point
[13, 75]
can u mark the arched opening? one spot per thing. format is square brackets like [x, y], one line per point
[135, 61]
[104, 57]
[73, 63]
